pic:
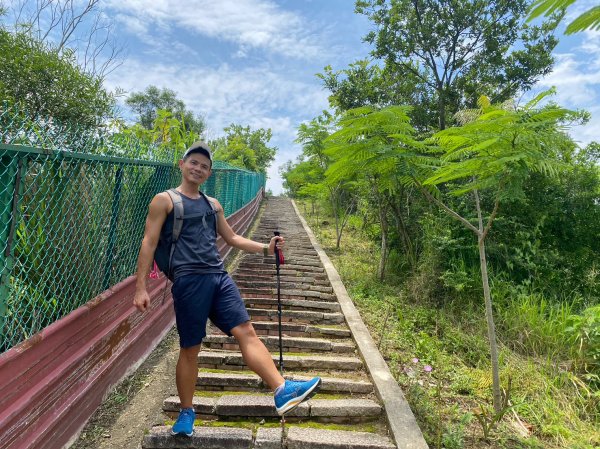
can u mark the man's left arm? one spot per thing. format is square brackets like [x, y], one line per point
[237, 241]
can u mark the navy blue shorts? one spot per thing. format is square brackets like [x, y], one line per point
[198, 297]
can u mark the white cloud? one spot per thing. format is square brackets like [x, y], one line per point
[578, 86]
[575, 84]
[255, 96]
[259, 24]
[589, 132]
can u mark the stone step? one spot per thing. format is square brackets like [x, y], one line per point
[307, 438]
[292, 304]
[205, 437]
[286, 293]
[260, 277]
[287, 269]
[299, 330]
[292, 255]
[245, 406]
[246, 382]
[234, 361]
[270, 285]
[291, 330]
[297, 316]
[289, 344]
[266, 438]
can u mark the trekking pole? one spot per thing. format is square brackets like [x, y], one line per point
[278, 261]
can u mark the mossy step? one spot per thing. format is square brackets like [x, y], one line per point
[235, 381]
[289, 344]
[297, 316]
[338, 410]
[297, 304]
[228, 360]
[266, 438]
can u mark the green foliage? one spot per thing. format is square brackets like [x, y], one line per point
[488, 418]
[583, 333]
[371, 141]
[558, 407]
[245, 148]
[589, 20]
[456, 51]
[168, 138]
[366, 83]
[532, 324]
[148, 104]
[47, 83]
[500, 147]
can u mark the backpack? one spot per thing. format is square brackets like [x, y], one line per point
[163, 255]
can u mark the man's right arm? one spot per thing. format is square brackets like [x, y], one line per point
[157, 213]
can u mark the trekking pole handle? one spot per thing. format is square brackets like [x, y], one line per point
[277, 250]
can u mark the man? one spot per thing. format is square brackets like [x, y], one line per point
[202, 289]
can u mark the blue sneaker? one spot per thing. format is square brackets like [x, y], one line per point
[185, 423]
[293, 393]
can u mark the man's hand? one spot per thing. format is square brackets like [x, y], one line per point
[277, 240]
[141, 300]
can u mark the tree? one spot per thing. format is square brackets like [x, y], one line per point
[167, 140]
[245, 148]
[339, 191]
[71, 26]
[494, 150]
[378, 145]
[589, 20]
[458, 50]
[49, 84]
[147, 104]
[366, 83]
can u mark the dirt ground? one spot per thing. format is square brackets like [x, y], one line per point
[135, 404]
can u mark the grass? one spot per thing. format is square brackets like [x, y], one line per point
[550, 410]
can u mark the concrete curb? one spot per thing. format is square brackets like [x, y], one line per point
[402, 424]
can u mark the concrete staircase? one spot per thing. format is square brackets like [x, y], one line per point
[235, 409]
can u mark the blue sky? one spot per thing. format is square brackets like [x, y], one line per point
[253, 62]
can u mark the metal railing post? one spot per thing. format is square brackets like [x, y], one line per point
[112, 231]
[12, 170]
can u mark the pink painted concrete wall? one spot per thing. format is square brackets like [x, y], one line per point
[52, 383]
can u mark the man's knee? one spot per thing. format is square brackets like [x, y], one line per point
[189, 354]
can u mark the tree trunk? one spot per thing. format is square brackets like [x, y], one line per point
[489, 314]
[441, 107]
[403, 232]
[491, 328]
[384, 242]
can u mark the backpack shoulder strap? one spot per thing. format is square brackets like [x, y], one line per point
[177, 213]
[212, 206]
[210, 202]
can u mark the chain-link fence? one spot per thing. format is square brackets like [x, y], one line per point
[72, 214]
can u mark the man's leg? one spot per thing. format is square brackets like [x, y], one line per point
[187, 374]
[256, 355]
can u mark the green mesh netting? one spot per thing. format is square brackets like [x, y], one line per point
[72, 212]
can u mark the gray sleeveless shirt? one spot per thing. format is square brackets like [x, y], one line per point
[196, 249]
